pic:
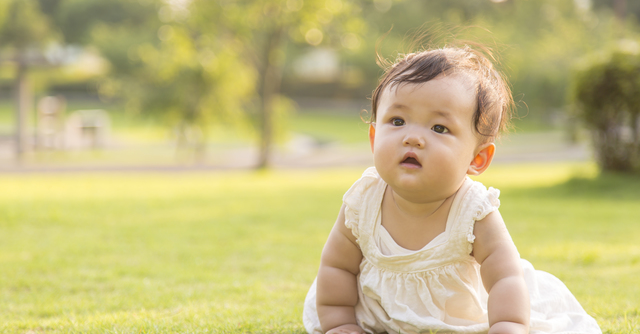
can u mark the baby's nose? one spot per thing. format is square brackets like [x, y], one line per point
[414, 140]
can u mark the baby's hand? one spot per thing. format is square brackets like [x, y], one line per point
[346, 329]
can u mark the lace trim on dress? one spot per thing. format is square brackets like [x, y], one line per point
[487, 205]
[351, 221]
[353, 200]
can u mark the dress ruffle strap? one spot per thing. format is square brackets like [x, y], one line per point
[354, 199]
[485, 201]
[488, 203]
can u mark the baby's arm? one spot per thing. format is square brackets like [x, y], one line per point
[337, 289]
[502, 276]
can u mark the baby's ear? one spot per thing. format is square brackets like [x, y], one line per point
[372, 134]
[482, 160]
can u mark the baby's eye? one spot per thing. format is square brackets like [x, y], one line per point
[397, 121]
[440, 129]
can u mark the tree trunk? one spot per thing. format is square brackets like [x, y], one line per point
[620, 8]
[270, 81]
[23, 100]
[635, 145]
[200, 145]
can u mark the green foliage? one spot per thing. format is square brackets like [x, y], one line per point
[193, 63]
[607, 97]
[265, 28]
[535, 42]
[23, 25]
[199, 62]
[235, 252]
[169, 63]
[77, 18]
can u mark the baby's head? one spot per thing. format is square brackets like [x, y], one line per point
[493, 96]
[435, 116]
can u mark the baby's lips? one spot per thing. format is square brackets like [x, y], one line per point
[412, 158]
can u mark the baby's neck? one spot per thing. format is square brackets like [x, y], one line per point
[413, 225]
[411, 209]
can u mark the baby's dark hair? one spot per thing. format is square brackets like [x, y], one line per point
[494, 104]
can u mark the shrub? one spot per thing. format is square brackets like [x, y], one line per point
[606, 94]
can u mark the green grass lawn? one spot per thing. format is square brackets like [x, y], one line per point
[235, 252]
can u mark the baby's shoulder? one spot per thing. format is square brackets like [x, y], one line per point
[478, 200]
[473, 203]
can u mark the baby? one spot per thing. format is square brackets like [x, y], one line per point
[420, 247]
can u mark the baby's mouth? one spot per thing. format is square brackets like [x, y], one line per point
[411, 159]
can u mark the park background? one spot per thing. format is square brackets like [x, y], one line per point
[176, 165]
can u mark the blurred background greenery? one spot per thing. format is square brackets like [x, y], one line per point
[256, 83]
[153, 85]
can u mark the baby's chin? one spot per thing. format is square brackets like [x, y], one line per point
[421, 190]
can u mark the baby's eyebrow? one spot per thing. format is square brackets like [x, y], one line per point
[444, 114]
[398, 106]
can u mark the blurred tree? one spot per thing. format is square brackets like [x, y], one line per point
[543, 39]
[24, 32]
[163, 60]
[196, 61]
[190, 70]
[157, 61]
[265, 27]
[622, 8]
[30, 28]
[606, 93]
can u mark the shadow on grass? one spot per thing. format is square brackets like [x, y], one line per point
[606, 185]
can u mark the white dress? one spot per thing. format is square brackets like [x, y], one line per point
[437, 288]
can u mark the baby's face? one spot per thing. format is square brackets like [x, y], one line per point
[424, 138]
